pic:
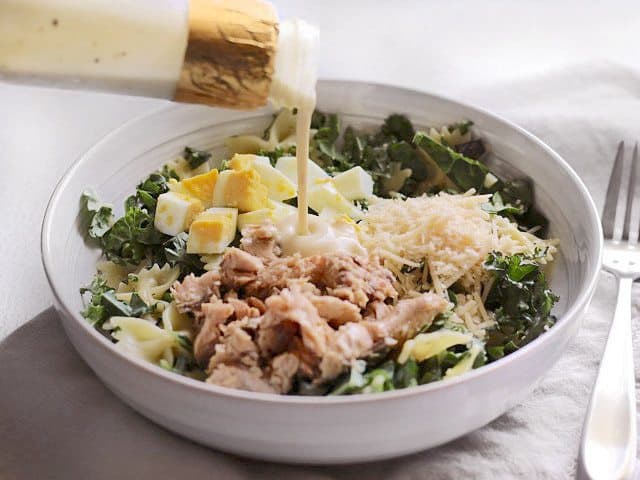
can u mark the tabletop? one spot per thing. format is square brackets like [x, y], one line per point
[549, 66]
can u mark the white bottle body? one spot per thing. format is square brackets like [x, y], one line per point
[139, 47]
[121, 46]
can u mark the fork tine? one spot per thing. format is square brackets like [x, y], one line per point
[630, 193]
[613, 190]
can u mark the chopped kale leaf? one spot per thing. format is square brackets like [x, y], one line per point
[195, 158]
[521, 301]
[97, 217]
[472, 149]
[278, 152]
[175, 251]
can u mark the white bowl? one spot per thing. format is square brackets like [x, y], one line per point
[319, 429]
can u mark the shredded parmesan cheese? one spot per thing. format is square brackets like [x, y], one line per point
[430, 243]
[450, 233]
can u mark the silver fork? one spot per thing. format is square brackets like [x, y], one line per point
[608, 447]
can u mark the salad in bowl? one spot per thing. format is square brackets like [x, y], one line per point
[421, 262]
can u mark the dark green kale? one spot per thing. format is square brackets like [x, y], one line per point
[132, 239]
[391, 375]
[512, 199]
[398, 128]
[94, 310]
[167, 172]
[104, 304]
[376, 152]
[474, 149]
[117, 308]
[148, 191]
[498, 206]
[462, 127]
[434, 166]
[465, 173]
[96, 217]
[435, 368]
[175, 252]
[182, 365]
[195, 158]
[379, 379]
[323, 148]
[521, 301]
[406, 375]
[519, 194]
[278, 152]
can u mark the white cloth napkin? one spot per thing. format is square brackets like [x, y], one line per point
[57, 421]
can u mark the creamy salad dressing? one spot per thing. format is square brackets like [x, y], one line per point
[324, 236]
[294, 86]
[303, 125]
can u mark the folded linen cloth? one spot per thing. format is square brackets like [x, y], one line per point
[57, 421]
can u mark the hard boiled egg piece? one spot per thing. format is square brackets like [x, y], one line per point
[257, 217]
[354, 184]
[325, 195]
[242, 161]
[289, 167]
[202, 186]
[212, 231]
[280, 187]
[274, 213]
[281, 210]
[241, 189]
[175, 211]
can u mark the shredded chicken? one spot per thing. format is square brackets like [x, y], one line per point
[232, 376]
[347, 277]
[241, 308]
[235, 347]
[193, 291]
[278, 275]
[263, 321]
[283, 369]
[355, 279]
[292, 306]
[357, 340]
[335, 311]
[215, 314]
[239, 268]
[350, 342]
[409, 316]
[260, 240]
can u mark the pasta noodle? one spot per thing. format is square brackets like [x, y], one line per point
[149, 283]
[451, 137]
[280, 134]
[143, 339]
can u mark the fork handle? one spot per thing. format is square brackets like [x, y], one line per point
[608, 448]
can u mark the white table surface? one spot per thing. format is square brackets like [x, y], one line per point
[456, 48]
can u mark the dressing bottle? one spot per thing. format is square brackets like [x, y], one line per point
[223, 53]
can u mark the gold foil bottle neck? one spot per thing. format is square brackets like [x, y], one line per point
[229, 60]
